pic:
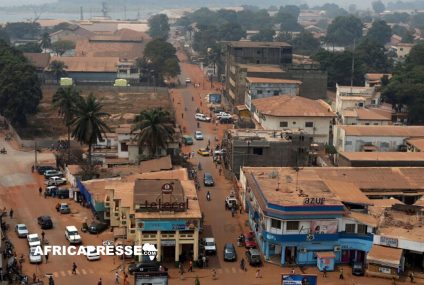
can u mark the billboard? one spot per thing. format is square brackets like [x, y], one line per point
[214, 98]
[299, 279]
[324, 227]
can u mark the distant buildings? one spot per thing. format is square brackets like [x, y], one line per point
[401, 50]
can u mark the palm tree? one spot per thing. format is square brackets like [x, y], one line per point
[154, 129]
[45, 41]
[57, 68]
[88, 125]
[65, 100]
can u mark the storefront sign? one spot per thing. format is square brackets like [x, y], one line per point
[162, 206]
[167, 188]
[314, 201]
[177, 225]
[299, 279]
[392, 242]
[167, 242]
[384, 270]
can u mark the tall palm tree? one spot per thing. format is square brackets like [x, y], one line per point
[88, 124]
[65, 100]
[154, 129]
[45, 41]
[57, 67]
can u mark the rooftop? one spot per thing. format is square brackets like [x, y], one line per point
[39, 60]
[373, 114]
[249, 44]
[268, 135]
[292, 106]
[383, 131]
[366, 219]
[383, 156]
[386, 255]
[88, 63]
[376, 76]
[261, 68]
[272, 80]
[348, 192]
[153, 165]
[417, 143]
[403, 225]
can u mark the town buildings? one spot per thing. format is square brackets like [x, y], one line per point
[286, 112]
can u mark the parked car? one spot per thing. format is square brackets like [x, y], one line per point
[203, 152]
[254, 257]
[21, 230]
[358, 269]
[43, 168]
[208, 179]
[56, 181]
[198, 135]
[34, 256]
[230, 252]
[92, 253]
[188, 80]
[52, 173]
[250, 241]
[63, 208]
[146, 266]
[63, 193]
[45, 222]
[97, 227]
[230, 202]
[33, 240]
[225, 120]
[51, 191]
[202, 117]
[72, 235]
[222, 114]
[187, 140]
[209, 245]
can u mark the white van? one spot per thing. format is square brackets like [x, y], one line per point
[72, 235]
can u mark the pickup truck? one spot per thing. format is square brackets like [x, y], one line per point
[230, 201]
[56, 181]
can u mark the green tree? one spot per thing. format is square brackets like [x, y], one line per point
[159, 26]
[57, 68]
[88, 124]
[45, 41]
[65, 100]
[344, 30]
[379, 32]
[266, 35]
[378, 7]
[206, 37]
[4, 36]
[407, 36]
[373, 56]
[160, 60]
[231, 32]
[333, 10]
[305, 43]
[20, 91]
[61, 46]
[417, 20]
[29, 47]
[154, 129]
[23, 30]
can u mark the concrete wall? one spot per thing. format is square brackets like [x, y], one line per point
[265, 90]
[355, 143]
[314, 82]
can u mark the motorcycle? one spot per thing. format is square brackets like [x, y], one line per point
[208, 196]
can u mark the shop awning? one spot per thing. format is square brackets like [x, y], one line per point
[383, 255]
[326, 254]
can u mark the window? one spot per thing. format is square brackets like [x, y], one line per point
[361, 104]
[276, 92]
[258, 151]
[284, 124]
[259, 91]
[294, 123]
[350, 228]
[292, 225]
[367, 124]
[348, 143]
[309, 124]
[362, 229]
[124, 147]
[275, 224]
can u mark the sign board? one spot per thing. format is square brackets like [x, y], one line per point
[324, 227]
[167, 188]
[176, 225]
[384, 270]
[314, 201]
[299, 279]
[214, 98]
[387, 241]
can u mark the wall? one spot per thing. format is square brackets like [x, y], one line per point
[314, 82]
[355, 143]
[92, 76]
[321, 125]
[265, 90]
[121, 138]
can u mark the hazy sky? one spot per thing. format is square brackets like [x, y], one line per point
[23, 2]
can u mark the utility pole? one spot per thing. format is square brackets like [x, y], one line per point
[353, 67]
[81, 14]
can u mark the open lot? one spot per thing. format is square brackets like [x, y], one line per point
[123, 104]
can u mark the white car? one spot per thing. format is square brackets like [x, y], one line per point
[210, 246]
[21, 230]
[222, 114]
[188, 80]
[56, 181]
[52, 173]
[219, 151]
[198, 135]
[34, 256]
[33, 240]
[72, 235]
[202, 117]
[226, 116]
[92, 253]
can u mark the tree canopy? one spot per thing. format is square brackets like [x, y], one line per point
[380, 32]
[20, 91]
[23, 30]
[159, 26]
[344, 30]
[29, 47]
[61, 46]
[378, 6]
[266, 35]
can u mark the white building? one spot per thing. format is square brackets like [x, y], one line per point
[366, 116]
[373, 138]
[401, 50]
[259, 87]
[348, 97]
[294, 112]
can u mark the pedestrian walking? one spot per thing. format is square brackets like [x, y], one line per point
[220, 171]
[40, 191]
[42, 236]
[204, 261]
[411, 277]
[213, 273]
[393, 280]
[47, 257]
[32, 170]
[100, 282]
[51, 281]
[11, 213]
[74, 268]
[190, 266]
[126, 279]
[34, 278]
[292, 271]
[181, 269]
[324, 272]
[240, 209]
[258, 273]
[341, 274]
[116, 277]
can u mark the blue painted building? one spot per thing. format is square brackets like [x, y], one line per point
[297, 216]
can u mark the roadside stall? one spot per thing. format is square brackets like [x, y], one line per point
[326, 259]
[384, 261]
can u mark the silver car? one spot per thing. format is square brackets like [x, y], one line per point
[21, 230]
[34, 256]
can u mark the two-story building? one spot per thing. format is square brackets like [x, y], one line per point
[374, 138]
[257, 87]
[366, 116]
[287, 112]
[298, 217]
[349, 97]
